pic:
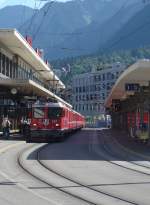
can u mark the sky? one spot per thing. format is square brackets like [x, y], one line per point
[30, 3]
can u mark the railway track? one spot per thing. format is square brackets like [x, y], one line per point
[112, 154]
[50, 185]
[87, 188]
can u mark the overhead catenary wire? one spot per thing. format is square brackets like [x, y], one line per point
[32, 18]
[42, 20]
[136, 30]
[81, 33]
[70, 34]
[36, 12]
[23, 13]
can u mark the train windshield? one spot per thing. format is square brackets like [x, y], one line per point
[54, 112]
[38, 112]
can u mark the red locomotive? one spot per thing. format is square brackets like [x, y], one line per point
[52, 121]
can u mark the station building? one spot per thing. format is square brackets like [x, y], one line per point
[129, 101]
[24, 77]
[91, 89]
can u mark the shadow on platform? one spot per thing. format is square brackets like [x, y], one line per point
[13, 137]
[93, 145]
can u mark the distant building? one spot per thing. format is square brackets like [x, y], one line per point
[91, 89]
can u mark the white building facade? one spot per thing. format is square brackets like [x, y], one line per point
[91, 89]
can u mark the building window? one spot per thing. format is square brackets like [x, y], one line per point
[112, 76]
[76, 107]
[87, 107]
[79, 107]
[7, 67]
[87, 97]
[91, 97]
[80, 89]
[3, 64]
[87, 88]
[83, 88]
[103, 86]
[95, 96]
[91, 107]
[83, 97]
[11, 69]
[104, 76]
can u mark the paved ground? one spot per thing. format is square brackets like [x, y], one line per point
[91, 167]
[130, 143]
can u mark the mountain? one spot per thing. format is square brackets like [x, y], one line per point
[73, 28]
[135, 33]
[54, 23]
[96, 34]
[14, 16]
[77, 27]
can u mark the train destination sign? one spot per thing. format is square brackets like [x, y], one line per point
[132, 87]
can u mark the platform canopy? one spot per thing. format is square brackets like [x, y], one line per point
[138, 74]
[17, 44]
[28, 87]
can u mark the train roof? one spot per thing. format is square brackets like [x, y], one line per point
[55, 104]
[48, 104]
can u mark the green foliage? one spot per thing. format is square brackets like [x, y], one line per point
[84, 64]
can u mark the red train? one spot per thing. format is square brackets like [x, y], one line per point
[138, 125]
[134, 119]
[52, 121]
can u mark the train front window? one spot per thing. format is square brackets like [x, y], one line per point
[54, 112]
[38, 112]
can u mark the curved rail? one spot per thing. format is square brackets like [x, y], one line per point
[79, 183]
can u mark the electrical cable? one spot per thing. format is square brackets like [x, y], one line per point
[84, 33]
[139, 28]
[36, 11]
[44, 15]
[23, 13]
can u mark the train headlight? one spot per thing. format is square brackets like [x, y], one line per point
[57, 125]
[34, 124]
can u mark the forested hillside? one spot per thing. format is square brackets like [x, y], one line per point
[85, 64]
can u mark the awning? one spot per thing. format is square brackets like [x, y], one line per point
[138, 73]
[30, 87]
[16, 43]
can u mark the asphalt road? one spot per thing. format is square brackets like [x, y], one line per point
[90, 167]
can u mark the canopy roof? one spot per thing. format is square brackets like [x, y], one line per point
[138, 73]
[28, 87]
[16, 43]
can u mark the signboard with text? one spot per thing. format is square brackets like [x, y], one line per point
[132, 87]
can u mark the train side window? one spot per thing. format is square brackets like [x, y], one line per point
[55, 112]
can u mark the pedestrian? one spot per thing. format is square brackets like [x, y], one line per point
[25, 126]
[6, 127]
